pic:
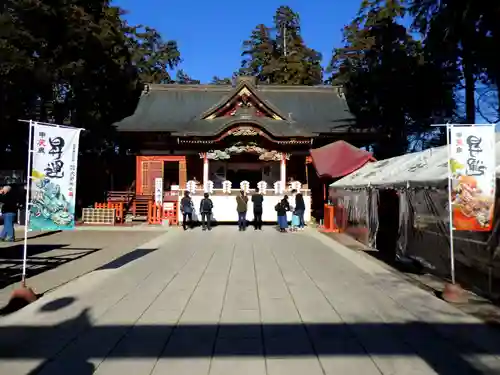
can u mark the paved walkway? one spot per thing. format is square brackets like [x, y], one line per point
[56, 258]
[225, 302]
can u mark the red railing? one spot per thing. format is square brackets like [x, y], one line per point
[157, 214]
[118, 206]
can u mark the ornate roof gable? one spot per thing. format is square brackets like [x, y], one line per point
[243, 102]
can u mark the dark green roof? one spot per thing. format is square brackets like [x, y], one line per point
[179, 109]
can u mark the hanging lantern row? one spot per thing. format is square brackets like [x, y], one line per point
[208, 187]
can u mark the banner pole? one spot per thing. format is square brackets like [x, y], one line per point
[450, 210]
[27, 202]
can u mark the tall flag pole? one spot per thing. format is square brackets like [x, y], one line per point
[471, 187]
[51, 180]
[27, 202]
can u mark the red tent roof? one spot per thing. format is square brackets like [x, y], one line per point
[339, 159]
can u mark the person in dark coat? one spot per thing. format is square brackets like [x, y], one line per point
[281, 209]
[242, 207]
[9, 212]
[257, 200]
[187, 211]
[206, 206]
[299, 209]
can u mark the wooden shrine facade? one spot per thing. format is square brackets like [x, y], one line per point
[194, 126]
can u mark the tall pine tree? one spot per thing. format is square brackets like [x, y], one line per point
[182, 78]
[390, 83]
[279, 55]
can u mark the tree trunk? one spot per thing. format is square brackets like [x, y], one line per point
[470, 89]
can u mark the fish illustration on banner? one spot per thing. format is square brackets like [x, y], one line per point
[53, 177]
[473, 179]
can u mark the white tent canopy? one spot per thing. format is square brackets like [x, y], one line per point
[419, 169]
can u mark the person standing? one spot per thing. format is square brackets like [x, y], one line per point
[241, 207]
[281, 209]
[206, 206]
[187, 210]
[294, 220]
[257, 200]
[9, 211]
[300, 208]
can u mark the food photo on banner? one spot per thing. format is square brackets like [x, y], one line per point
[53, 177]
[472, 168]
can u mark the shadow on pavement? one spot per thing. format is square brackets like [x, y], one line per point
[442, 346]
[85, 368]
[126, 258]
[44, 234]
[39, 260]
[57, 304]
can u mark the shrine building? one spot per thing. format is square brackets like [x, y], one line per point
[224, 138]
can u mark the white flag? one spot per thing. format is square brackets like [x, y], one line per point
[53, 173]
[472, 168]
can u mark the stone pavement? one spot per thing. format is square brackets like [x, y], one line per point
[56, 258]
[226, 302]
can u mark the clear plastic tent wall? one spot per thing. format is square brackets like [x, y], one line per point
[422, 235]
[357, 209]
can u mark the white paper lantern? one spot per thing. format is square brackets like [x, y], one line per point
[278, 189]
[226, 187]
[295, 185]
[191, 186]
[209, 187]
[245, 186]
[262, 185]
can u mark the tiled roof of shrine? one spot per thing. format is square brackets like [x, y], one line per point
[198, 110]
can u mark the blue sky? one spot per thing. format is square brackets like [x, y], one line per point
[210, 33]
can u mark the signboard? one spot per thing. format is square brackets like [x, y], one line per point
[472, 168]
[168, 206]
[159, 190]
[53, 177]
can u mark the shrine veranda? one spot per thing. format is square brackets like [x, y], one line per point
[222, 139]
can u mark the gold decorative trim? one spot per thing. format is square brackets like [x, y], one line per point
[246, 92]
[244, 131]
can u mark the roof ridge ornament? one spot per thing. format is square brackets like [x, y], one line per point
[251, 80]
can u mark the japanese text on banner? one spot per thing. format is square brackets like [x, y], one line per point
[53, 174]
[472, 168]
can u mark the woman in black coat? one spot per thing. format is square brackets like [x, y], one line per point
[300, 208]
[281, 209]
